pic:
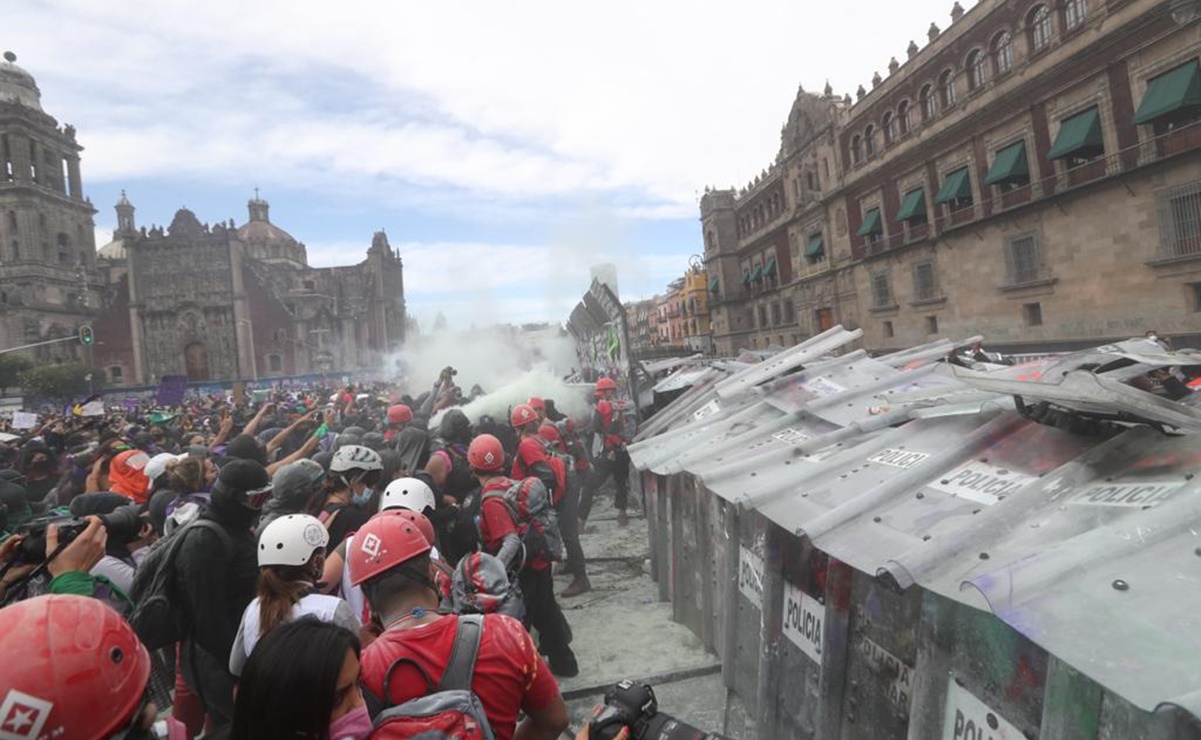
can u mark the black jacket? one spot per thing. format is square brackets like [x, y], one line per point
[217, 584]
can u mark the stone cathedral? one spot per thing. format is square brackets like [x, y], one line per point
[213, 301]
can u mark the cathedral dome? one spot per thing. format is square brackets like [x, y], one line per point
[17, 85]
[264, 232]
[114, 250]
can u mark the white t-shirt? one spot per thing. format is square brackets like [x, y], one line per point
[324, 607]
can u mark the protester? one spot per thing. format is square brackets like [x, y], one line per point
[126, 476]
[392, 565]
[296, 488]
[291, 556]
[615, 460]
[354, 471]
[216, 579]
[522, 545]
[80, 670]
[302, 681]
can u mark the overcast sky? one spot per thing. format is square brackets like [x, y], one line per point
[504, 147]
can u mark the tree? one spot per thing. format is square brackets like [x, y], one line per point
[11, 367]
[65, 381]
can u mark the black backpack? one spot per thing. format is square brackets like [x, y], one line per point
[158, 617]
[451, 709]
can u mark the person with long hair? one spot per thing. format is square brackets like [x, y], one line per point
[291, 556]
[302, 681]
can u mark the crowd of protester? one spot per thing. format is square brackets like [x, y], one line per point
[324, 563]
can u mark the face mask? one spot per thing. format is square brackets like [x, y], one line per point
[361, 498]
[354, 725]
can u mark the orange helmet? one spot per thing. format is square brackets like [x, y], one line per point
[387, 540]
[75, 669]
[486, 454]
[522, 414]
[400, 414]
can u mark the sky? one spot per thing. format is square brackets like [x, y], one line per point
[504, 147]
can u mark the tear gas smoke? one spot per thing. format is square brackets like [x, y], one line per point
[509, 364]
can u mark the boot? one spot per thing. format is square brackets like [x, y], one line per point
[622, 519]
[579, 585]
[563, 663]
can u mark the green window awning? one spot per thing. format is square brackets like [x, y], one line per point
[913, 206]
[871, 223]
[817, 246]
[713, 284]
[957, 186]
[1009, 165]
[757, 274]
[1171, 92]
[1079, 136]
[769, 269]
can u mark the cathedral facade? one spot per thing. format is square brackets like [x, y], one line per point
[210, 301]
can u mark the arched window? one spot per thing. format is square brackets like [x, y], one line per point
[929, 103]
[869, 141]
[1074, 13]
[1002, 52]
[891, 133]
[856, 149]
[1039, 26]
[903, 117]
[946, 89]
[977, 69]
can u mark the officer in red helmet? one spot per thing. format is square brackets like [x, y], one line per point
[389, 559]
[399, 417]
[74, 669]
[614, 459]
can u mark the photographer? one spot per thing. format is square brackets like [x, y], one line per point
[129, 533]
[632, 711]
[67, 570]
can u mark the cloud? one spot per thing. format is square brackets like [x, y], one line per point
[517, 100]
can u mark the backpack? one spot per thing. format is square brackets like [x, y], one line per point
[530, 505]
[156, 616]
[451, 709]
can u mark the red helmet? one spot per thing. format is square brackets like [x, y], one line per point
[400, 414]
[387, 540]
[550, 433]
[536, 403]
[419, 521]
[522, 414]
[606, 384]
[486, 454]
[75, 668]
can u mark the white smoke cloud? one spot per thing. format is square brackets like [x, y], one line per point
[509, 364]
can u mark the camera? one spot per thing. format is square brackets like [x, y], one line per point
[124, 524]
[633, 704]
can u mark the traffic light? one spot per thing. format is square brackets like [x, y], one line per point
[86, 336]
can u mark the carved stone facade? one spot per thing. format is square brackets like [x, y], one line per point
[221, 302]
[49, 284]
[899, 215]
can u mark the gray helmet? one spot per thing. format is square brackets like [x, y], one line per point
[374, 440]
[293, 479]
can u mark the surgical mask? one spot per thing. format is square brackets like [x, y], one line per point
[354, 725]
[363, 497]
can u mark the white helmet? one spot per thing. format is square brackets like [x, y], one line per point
[408, 493]
[355, 457]
[291, 540]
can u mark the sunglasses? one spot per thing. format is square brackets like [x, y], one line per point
[257, 497]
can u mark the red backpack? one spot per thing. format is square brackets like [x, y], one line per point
[450, 710]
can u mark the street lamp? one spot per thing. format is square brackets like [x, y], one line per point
[254, 360]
